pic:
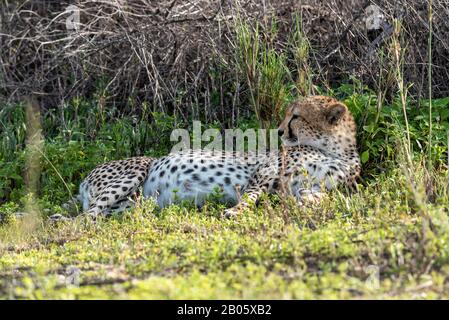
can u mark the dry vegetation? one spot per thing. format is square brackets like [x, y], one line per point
[181, 56]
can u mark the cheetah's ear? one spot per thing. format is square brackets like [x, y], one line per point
[335, 112]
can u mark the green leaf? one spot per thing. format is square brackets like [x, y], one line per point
[439, 103]
[369, 128]
[444, 114]
[365, 156]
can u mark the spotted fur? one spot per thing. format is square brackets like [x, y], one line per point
[110, 186]
[196, 174]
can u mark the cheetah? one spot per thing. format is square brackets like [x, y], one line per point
[318, 153]
[110, 186]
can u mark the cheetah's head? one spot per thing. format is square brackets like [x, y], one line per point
[321, 122]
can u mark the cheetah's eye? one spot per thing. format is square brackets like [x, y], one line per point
[295, 116]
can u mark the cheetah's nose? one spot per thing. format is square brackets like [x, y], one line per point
[280, 132]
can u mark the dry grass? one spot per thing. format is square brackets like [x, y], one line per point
[180, 55]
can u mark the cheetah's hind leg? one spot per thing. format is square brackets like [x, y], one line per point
[117, 207]
[109, 187]
[116, 197]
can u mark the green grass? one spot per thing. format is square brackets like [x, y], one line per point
[277, 250]
[387, 240]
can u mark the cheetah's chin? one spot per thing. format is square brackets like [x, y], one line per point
[290, 142]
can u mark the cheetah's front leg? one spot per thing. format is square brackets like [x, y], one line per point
[264, 180]
[252, 194]
[313, 195]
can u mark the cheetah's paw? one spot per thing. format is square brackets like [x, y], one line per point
[57, 217]
[306, 196]
[231, 213]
